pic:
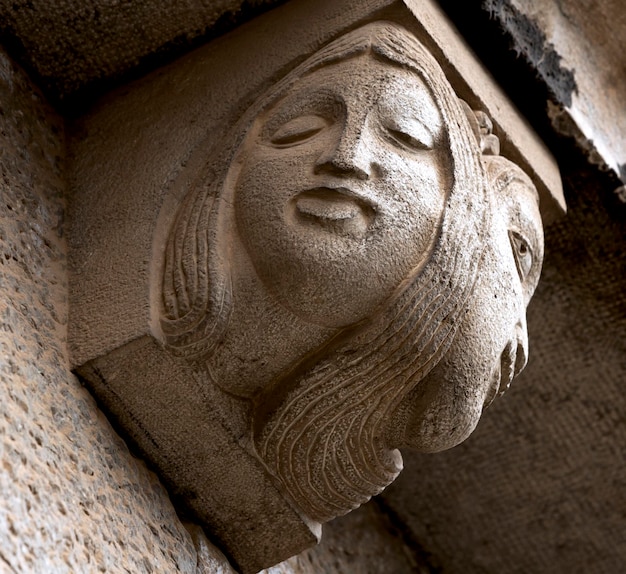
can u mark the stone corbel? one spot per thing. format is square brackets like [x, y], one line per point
[289, 264]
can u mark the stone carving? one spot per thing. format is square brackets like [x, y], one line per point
[349, 249]
[346, 276]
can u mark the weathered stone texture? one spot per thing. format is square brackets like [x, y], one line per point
[109, 37]
[541, 485]
[303, 296]
[362, 542]
[539, 488]
[587, 37]
[73, 498]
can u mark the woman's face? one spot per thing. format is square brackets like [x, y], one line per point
[341, 189]
[491, 344]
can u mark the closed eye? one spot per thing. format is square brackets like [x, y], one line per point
[408, 133]
[407, 140]
[298, 130]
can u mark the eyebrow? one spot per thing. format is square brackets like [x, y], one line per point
[281, 110]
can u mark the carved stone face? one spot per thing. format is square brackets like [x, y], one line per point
[342, 187]
[491, 345]
[343, 274]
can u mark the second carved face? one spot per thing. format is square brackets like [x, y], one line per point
[341, 189]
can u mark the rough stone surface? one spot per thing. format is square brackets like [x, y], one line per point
[362, 542]
[144, 135]
[108, 38]
[564, 54]
[554, 459]
[541, 485]
[73, 498]
[586, 39]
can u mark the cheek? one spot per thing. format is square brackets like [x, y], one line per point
[269, 177]
[263, 188]
[497, 308]
[261, 178]
[416, 193]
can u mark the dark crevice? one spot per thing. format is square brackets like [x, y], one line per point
[72, 103]
[426, 562]
[529, 41]
[499, 52]
[516, 52]
[622, 172]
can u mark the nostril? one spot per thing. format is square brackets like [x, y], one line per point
[521, 337]
[350, 158]
[361, 174]
[513, 359]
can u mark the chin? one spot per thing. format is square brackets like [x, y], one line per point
[439, 439]
[441, 412]
[441, 429]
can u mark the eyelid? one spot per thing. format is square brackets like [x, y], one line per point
[410, 133]
[297, 130]
[524, 261]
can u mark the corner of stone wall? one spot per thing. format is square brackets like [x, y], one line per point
[73, 498]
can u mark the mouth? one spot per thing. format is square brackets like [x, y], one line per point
[337, 210]
[503, 375]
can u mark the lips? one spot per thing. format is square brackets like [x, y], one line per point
[331, 209]
[336, 210]
[503, 374]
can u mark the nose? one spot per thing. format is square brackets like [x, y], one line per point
[350, 156]
[521, 335]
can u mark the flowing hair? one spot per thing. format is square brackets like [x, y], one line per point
[319, 428]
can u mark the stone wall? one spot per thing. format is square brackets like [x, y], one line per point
[109, 39]
[73, 498]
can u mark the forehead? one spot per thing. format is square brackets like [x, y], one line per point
[365, 79]
[521, 203]
[521, 197]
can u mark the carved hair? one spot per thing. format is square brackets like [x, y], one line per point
[319, 429]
